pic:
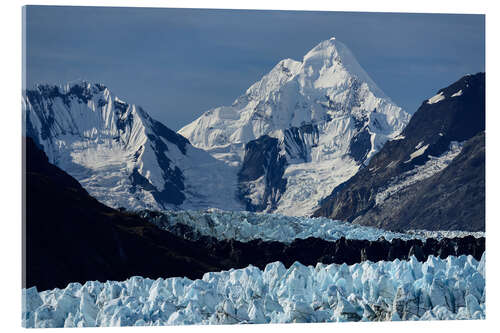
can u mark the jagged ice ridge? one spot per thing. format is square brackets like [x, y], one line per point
[438, 289]
[246, 226]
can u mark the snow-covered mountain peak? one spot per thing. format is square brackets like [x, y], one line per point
[329, 82]
[332, 57]
[83, 84]
[78, 87]
[120, 154]
[324, 115]
[282, 146]
[327, 49]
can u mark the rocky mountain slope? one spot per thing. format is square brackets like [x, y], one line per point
[121, 155]
[432, 176]
[301, 130]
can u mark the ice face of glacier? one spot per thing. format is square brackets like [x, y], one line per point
[437, 289]
[327, 115]
[121, 155]
[247, 226]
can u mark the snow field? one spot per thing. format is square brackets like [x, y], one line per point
[436, 98]
[438, 289]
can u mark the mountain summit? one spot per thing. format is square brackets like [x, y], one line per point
[328, 82]
[121, 155]
[301, 130]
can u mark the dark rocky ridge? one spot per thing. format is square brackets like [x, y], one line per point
[71, 237]
[360, 145]
[451, 199]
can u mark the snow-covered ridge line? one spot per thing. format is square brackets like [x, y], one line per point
[438, 289]
[246, 226]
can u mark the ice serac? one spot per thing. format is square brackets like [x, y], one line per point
[121, 155]
[327, 118]
[436, 289]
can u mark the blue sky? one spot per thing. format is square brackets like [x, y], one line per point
[178, 63]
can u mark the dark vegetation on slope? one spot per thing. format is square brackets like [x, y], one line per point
[71, 237]
[453, 199]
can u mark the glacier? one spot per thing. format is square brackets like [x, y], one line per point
[437, 289]
[246, 226]
[327, 114]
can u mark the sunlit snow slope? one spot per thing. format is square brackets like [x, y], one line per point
[301, 130]
[122, 156]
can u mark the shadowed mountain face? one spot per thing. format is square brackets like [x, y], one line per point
[262, 166]
[431, 177]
